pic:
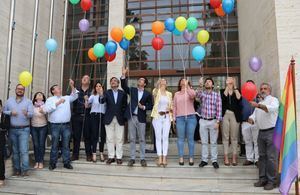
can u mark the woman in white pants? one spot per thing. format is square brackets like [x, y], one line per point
[162, 118]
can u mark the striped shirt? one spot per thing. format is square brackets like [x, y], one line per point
[211, 105]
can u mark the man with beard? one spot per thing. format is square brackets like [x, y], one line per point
[20, 110]
[265, 116]
[210, 117]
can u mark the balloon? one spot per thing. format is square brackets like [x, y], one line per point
[198, 53]
[116, 34]
[249, 91]
[84, 25]
[255, 64]
[74, 2]
[51, 45]
[215, 3]
[129, 32]
[157, 43]
[111, 47]
[170, 24]
[203, 37]
[188, 36]
[192, 24]
[25, 78]
[91, 55]
[99, 50]
[180, 23]
[158, 27]
[110, 58]
[124, 44]
[219, 11]
[176, 32]
[228, 6]
[86, 5]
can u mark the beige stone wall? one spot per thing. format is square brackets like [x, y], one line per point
[21, 51]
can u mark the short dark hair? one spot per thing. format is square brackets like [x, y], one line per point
[52, 88]
[146, 80]
[250, 81]
[209, 79]
[44, 97]
[19, 85]
[114, 78]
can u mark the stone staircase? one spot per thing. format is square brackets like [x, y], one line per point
[99, 178]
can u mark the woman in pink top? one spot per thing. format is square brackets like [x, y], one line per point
[185, 118]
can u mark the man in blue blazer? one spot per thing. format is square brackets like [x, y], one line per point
[116, 102]
[140, 102]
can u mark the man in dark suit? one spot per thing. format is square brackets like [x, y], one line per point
[116, 102]
[140, 102]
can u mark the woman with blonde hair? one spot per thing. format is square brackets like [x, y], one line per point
[162, 118]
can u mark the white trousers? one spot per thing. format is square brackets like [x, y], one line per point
[114, 137]
[162, 126]
[250, 134]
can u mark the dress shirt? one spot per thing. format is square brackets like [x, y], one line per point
[140, 95]
[115, 92]
[96, 106]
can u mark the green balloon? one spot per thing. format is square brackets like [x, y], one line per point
[74, 2]
[99, 50]
[192, 24]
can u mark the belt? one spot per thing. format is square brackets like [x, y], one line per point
[19, 127]
[208, 119]
[269, 129]
[163, 113]
[61, 123]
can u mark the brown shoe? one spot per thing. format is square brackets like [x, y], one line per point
[234, 160]
[89, 158]
[25, 174]
[110, 160]
[119, 161]
[226, 160]
[269, 186]
[73, 158]
[247, 163]
[102, 157]
[260, 183]
[16, 174]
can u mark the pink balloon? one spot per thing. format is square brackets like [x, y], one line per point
[255, 64]
[84, 25]
[188, 36]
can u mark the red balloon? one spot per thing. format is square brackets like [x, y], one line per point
[157, 43]
[215, 3]
[86, 5]
[109, 58]
[249, 91]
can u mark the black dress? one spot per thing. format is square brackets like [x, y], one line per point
[4, 126]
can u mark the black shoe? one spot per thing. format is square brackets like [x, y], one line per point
[131, 163]
[89, 158]
[68, 166]
[16, 174]
[74, 157]
[52, 167]
[215, 165]
[256, 164]
[181, 163]
[202, 164]
[143, 163]
[119, 161]
[260, 183]
[191, 163]
[110, 160]
[269, 186]
[247, 163]
[150, 151]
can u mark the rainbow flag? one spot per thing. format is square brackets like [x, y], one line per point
[285, 135]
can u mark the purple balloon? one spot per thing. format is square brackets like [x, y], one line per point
[84, 25]
[188, 36]
[255, 64]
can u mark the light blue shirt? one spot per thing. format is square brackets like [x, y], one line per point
[24, 105]
[96, 106]
[115, 92]
[62, 112]
[140, 95]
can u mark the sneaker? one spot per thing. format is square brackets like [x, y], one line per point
[131, 163]
[68, 166]
[202, 164]
[260, 183]
[143, 163]
[215, 165]
[52, 167]
[247, 163]
[269, 186]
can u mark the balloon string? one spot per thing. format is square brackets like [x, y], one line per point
[158, 58]
[226, 51]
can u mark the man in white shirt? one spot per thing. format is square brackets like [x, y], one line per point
[59, 117]
[265, 116]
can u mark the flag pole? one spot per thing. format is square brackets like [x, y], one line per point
[294, 93]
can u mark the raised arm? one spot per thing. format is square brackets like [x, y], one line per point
[219, 107]
[74, 92]
[124, 80]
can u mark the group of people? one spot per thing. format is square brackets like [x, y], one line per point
[100, 115]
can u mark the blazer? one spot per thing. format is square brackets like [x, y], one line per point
[146, 100]
[157, 95]
[114, 109]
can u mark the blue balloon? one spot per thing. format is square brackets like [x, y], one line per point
[124, 44]
[111, 47]
[228, 6]
[170, 24]
[198, 53]
[177, 32]
[51, 45]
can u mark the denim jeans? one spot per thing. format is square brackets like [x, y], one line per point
[185, 126]
[19, 139]
[64, 131]
[39, 135]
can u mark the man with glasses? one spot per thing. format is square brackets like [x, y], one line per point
[20, 110]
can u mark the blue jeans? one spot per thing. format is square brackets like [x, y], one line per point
[19, 139]
[39, 135]
[64, 131]
[185, 126]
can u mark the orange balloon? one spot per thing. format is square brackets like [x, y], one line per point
[116, 34]
[158, 27]
[219, 11]
[92, 55]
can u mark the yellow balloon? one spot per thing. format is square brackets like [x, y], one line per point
[180, 23]
[129, 32]
[25, 78]
[203, 37]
